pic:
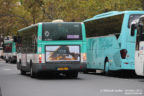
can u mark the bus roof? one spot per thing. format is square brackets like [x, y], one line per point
[42, 23]
[111, 13]
[28, 27]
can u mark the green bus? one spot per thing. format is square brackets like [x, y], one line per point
[111, 44]
[52, 47]
[9, 48]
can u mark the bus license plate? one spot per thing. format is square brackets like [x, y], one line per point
[62, 68]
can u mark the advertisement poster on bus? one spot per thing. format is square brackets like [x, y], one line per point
[62, 53]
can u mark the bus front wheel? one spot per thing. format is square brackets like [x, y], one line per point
[106, 68]
[32, 74]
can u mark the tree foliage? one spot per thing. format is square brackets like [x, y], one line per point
[16, 14]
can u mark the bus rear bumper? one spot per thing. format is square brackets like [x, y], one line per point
[44, 67]
[128, 66]
[14, 59]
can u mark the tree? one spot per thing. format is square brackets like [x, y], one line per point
[15, 15]
[34, 9]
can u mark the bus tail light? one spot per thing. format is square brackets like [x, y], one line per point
[40, 58]
[126, 63]
[123, 53]
[84, 57]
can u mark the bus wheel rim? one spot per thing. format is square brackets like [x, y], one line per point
[106, 67]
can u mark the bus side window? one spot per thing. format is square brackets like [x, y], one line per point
[141, 33]
[34, 40]
[104, 26]
[34, 43]
[137, 38]
[133, 27]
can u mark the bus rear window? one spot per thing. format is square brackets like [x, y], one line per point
[8, 47]
[62, 31]
[133, 17]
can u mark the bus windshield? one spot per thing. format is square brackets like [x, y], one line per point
[133, 17]
[8, 47]
[140, 34]
[62, 31]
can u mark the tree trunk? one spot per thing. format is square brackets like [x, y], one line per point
[142, 5]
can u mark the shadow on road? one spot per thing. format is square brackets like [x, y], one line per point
[142, 80]
[121, 74]
[52, 77]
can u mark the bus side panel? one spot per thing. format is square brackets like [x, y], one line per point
[100, 48]
[91, 53]
[13, 47]
[40, 46]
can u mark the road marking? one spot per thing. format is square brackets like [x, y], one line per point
[6, 69]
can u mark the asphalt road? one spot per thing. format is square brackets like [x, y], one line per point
[14, 84]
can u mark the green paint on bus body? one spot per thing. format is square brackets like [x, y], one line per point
[47, 54]
[42, 44]
[13, 45]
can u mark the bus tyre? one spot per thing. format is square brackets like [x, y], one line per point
[10, 60]
[6, 61]
[32, 74]
[106, 68]
[22, 72]
[19, 65]
[72, 75]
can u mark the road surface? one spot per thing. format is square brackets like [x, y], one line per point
[14, 84]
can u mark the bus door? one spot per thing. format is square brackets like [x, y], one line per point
[139, 54]
[130, 48]
[131, 38]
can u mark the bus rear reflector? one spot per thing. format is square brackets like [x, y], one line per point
[40, 58]
[81, 67]
[125, 63]
[123, 53]
[84, 57]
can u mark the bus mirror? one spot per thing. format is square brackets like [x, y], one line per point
[133, 27]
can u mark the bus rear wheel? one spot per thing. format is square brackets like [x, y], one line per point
[32, 74]
[6, 60]
[22, 72]
[10, 60]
